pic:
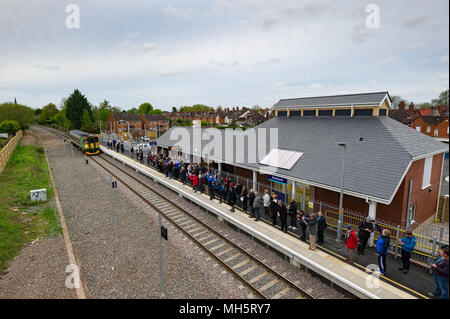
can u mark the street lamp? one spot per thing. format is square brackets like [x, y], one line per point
[341, 213]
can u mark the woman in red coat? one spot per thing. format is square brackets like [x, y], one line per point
[351, 241]
[194, 180]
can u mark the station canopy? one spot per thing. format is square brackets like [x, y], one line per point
[281, 158]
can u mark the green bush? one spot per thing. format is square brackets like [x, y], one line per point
[9, 126]
[16, 112]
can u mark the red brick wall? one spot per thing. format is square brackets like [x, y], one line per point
[424, 200]
[441, 127]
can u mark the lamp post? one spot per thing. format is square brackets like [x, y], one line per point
[341, 198]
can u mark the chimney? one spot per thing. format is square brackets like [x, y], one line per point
[411, 108]
[401, 105]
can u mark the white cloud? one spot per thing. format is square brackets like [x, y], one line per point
[443, 59]
[179, 12]
[149, 46]
[388, 59]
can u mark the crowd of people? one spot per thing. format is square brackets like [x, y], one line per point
[206, 180]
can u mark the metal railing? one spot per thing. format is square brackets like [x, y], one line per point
[429, 237]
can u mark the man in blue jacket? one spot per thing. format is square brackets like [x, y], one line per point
[382, 246]
[408, 242]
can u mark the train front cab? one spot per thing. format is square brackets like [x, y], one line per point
[90, 145]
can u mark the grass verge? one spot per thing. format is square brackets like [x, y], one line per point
[21, 220]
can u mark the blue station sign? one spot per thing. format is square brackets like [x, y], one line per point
[277, 179]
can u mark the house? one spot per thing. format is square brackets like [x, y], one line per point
[123, 122]
[155, 124]
[392, 172]
[433, 126]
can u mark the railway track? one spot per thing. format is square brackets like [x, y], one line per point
[264, 281]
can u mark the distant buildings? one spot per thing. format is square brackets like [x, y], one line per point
[124, 123]
[431, 121]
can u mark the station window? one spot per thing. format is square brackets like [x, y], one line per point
[282, 113]
[325, 112]
[294, 113]
[344, 112]
[427, 167]
[382, 112]
[309, 113]
[363, 112]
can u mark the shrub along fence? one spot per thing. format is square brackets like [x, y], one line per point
[6, 152]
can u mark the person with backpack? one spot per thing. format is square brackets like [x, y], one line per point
[382, 247]
[408, 242]
[351, 242]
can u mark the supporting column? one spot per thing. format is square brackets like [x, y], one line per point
[373, 214]
[254, 180]
[219, 167]
[293, 190]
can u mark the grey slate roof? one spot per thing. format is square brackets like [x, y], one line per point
[125, 116]
[348, 99]
[374, 167]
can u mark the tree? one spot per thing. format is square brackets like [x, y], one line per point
[9, 126]
[425, 105]
[174, 109]
[196, 108]
[24, 115]
[396, 99]
[86, 121]
[105, 105]
[145, 108]
[48, 111]
[76, 104]
[441, 100]
[155, 111]
[133, 110]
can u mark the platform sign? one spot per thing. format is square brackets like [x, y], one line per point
[38, 195]
[277, 179]
[164, 232]
[311, 204]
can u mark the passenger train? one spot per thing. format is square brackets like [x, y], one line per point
[88, 143]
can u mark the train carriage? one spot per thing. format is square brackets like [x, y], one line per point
[88, 143]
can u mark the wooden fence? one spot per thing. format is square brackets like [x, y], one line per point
[9, 148]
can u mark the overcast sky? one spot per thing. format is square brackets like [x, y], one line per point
[220, 52]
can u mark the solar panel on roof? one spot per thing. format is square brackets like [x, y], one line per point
[281, 158]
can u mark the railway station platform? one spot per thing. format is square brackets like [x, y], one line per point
[355, 280]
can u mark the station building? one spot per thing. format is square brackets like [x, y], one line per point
[392, 172]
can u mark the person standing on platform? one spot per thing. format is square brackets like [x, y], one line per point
[351, 242]
[132, 151]
[365, 229]
[293, 214]
[232, 197]
[300, 216]
[311, 223]
[382, 247]
[238, 191]
[266, 199]
[283, 215]
[210, 185]
[408, 242]
[321, 226]
[122, 148]
[440, 270]
[274, 209]
[256, 206]
[194, 180]
[244, 198]
[251, 199]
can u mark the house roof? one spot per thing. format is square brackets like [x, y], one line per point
[369, 99]
[433, 120]
[374, 168]
[125, 116]
[156, 117]
[400, 116]
[424, 112]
